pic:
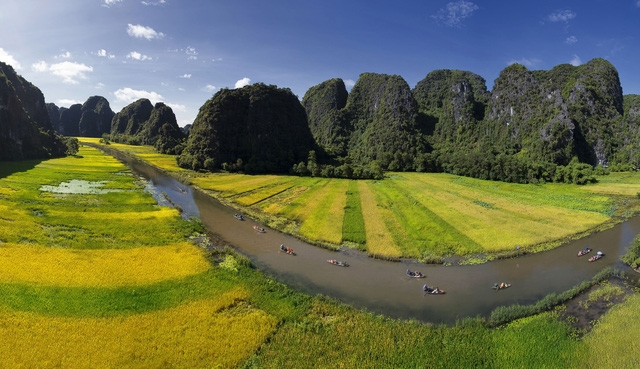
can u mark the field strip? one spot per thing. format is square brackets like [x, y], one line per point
[99, 268]
[300, 208]
[500, 223]
[263, 193]
[236, 187]
[193, 335]
[325, 222]
[379, 239]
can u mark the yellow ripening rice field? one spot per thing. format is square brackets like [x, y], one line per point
[220, 332]
[379, 239]
[99, 268]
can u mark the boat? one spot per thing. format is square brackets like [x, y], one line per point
[411, 274]
[584, 251]
[259, 229]
[287, 250]
[501, 286]
[597, 256]
[338, 263]
[238, 216]
[432, 291]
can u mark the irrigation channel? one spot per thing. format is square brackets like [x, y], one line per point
[381, 286]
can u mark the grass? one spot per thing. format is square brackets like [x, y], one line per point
[163, 304]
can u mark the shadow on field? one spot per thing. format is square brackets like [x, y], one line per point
[9, 167]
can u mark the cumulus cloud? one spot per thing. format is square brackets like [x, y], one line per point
[138, 31]
[575, 61]
[128, 95]
[571, 40]
[70, 72]
[137, 56]
[209, 88]
[103, 53]
[529, 63]
[65, 55]
[7, 58]
[186, 75]
[455, 13]
[561, 16]
[243, 82]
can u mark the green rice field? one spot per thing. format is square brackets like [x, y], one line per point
[83, 286]
[419, 215]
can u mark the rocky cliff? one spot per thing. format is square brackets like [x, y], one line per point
[257, 128]
[25, 129]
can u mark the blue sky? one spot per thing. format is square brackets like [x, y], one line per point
[183, 52]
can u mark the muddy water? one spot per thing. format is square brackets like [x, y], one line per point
[381, 286]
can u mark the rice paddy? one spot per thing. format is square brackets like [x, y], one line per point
[422, 216]
[80, 287]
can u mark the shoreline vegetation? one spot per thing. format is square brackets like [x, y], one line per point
[199, 304]
[431, 218]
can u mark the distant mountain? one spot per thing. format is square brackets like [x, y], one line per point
[25, 128]
[141, 123]
[95, 118]
[376, 121]
[70, 120]
[257, 129]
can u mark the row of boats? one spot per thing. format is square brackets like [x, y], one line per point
[587, 250]
[288, 250]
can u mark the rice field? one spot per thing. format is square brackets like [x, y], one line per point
[84, 286]
[133, 300]
[420, 215]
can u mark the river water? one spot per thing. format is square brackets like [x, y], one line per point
[382, 286]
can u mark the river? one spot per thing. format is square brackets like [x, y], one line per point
[381, 286]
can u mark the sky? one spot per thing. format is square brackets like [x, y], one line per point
[181, 52]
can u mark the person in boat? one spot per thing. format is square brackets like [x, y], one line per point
[283, 248]
[417, 274]
[436, 290]
[425, 288]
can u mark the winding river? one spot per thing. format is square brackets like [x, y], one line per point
[382, 286]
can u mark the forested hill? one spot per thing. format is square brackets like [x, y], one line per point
[25, 129]
[257, 129]
[532, 123]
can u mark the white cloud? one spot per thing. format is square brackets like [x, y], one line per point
[105, 54]
[181, 89]
[561, 16]
[67, 102]
[40, 66]
[99, 86]
[70, 72]
[186, 75]
[139, 31]
[108, 3]
[192, 53]
[159, 2]
[65, 55]
[243, 82]
[529, 63]
[454, 13]
[216, 59]
[128, 95]
[137, 56]
[209, 88]
[7, 58]
[348, 83]
[177, 107]
[571, 40]
[575, 61]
